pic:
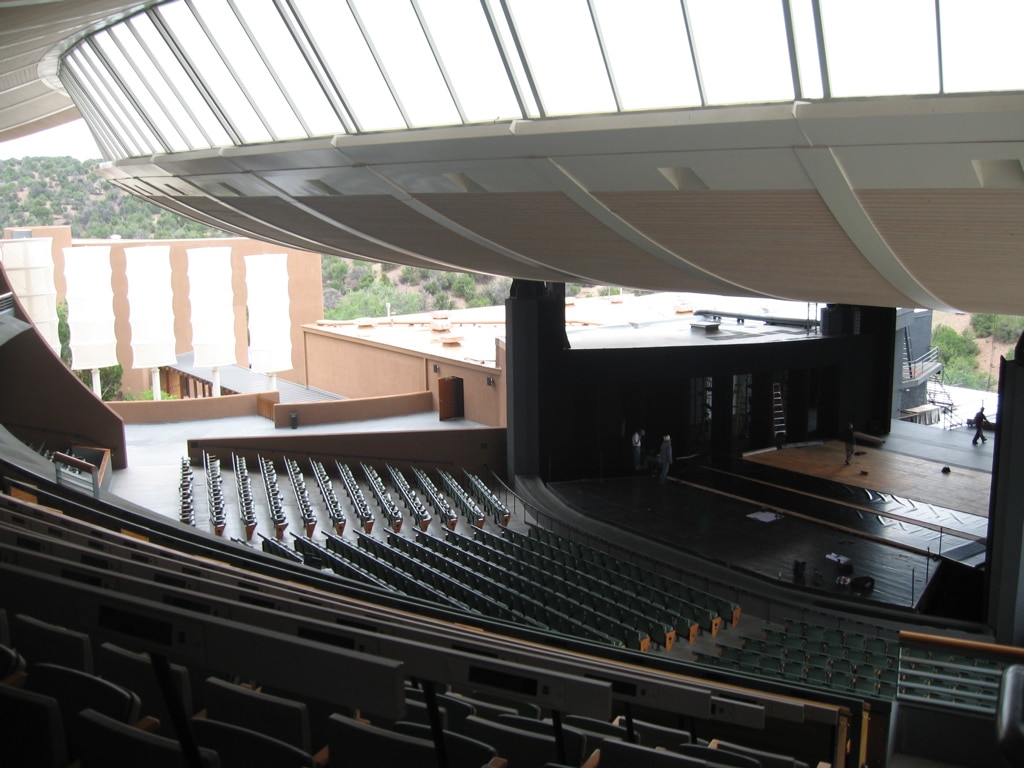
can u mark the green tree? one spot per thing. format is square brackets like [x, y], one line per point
[952, 345]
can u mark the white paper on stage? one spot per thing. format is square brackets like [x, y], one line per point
[150, 305]
[213, 311]
[270, 326]
[90, 300]
[28, 263]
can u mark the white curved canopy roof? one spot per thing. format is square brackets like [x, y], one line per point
[819, 150]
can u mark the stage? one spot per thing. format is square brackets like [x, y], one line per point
[761, 514]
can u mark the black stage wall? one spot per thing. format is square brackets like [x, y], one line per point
[571, 412]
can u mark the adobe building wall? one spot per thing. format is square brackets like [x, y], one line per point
[305, 294]
[359, 368]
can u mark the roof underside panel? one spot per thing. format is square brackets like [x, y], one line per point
[787, 244]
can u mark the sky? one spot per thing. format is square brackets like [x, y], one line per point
[71, 139]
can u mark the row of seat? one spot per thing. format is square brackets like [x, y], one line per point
[585, 556]
[488, 499]
[186, 501]
[441, 506]
[355, 496]
[333, 506]
[385, 501]
[215, 492]
[412, 502]
[960, 680]
[301, 493]
[275, 500]
[262, 600]
[243, 487]
[671, 598]
[470, 509]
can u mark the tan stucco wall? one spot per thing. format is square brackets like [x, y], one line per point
[357, 367]
[357, 409]
[171, 411]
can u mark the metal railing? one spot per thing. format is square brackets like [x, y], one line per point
[6, 303]
[923, 367]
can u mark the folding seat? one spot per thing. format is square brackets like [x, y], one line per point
[74, 691]
[652, 734]
[40, 641]
[276, 716]
[33, 729]
[766, 759]
[622, 754]
[237, 746]
[717, 756]
[135, 671]
[109, 743]
[369, 746]
[574, 740]
[462, 751]
[518, 746]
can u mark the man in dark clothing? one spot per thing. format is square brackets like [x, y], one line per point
[979, 426]
[666, 457]
[850, 441]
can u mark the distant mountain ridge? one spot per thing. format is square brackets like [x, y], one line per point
[47, 191]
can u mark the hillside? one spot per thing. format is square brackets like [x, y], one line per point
[46, 191]
[981, 371]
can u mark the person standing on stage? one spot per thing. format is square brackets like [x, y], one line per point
[666, 457]
[638, 450]
[979, 426]
[850, 440]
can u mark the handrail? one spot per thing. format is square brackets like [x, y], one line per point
[6, 303]
[967, 646]
[925, 365]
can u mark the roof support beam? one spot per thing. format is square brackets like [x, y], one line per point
[829, 178]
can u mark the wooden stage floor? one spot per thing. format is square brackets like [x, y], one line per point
[890, 512]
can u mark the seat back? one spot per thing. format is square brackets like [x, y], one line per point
[376, 747]
[654, 735]
[39, 641]
[275, 716]
[622, 754]
[135, 671]
[577, 745]
[74, 691]
[457, 708]
[767, 759]
[463, 751]
[33, 728]
[108, 743]
[241, 746]
[519, 747]
[718, 756]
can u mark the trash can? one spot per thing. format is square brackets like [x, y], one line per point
[294, 419]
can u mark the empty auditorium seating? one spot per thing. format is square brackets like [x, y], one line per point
[246, 747]
[284, 719]
[33, 729]
[74, 691]
[110, 743]
[382, 748]
[40, 641]
[135, 671]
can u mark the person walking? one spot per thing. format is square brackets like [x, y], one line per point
[850, 440]
[666, 457]
[979, 426]
[638, 449]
